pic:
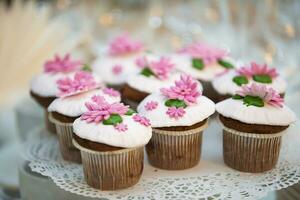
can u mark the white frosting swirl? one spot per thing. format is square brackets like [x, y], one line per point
[224, 84]
[74, 106]
[202, 109]
[103, 66]
[267, 115]
[208, 73]
[136, 135]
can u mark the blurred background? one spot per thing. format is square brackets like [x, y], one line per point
[32, 31]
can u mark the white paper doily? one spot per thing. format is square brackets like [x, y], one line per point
[211, 179]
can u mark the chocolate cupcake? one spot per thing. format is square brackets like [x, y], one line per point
[154, 74]
[111, 138]
[254, 121]
[178, 115]
[117, 62]
[228, 83]
[204, 62]
[71, 105]
[43, 87]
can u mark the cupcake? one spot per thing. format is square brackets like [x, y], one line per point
[111, 138]
[254, 120]
[228, 83]
[203, 62]
[178, 115]
[43, 87]
[154, 74]
[118, 61]
[74, 92]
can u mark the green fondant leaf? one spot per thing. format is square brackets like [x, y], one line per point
[197, 63]
[262, 78]
[130, 112]
[253, 101]
[113, 120]
[175, 103]
[240, 80]
[147, 72]
[225, 64]
[236, 96]
[87, 68]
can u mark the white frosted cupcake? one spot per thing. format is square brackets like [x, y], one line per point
[254, 120]
[43, 87]
[154, 74]
[111, 138]
[74, 93]
[118, 61]
[228, 83]
[204, 62]
[178, 115]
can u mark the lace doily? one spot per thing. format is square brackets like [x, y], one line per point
[211, 179]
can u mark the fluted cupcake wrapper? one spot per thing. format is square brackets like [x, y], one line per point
[49, 125]
[65, 136]
[249, 152]
[175, 150]
[112, 170]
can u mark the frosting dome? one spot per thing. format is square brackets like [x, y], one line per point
[267, 115]
[74, 106]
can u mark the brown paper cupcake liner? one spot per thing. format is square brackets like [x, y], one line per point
[249, 152]
[131, 103]
[175, 150]
[49, 125]
[65, 136]
[112, 170]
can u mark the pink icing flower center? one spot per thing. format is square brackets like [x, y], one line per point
[82, 82]
[207, 53]
[151, 105]
[121, 127]
[142, 120]
[267, 94]
[123, 44]
[160, 68]
[117, 69]
[185, 89]
[63, 65]
[175, 113]
[111, 92]
[99, 109]
[257, 69]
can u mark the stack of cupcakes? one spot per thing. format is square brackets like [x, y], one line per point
[227, 84]
[154, 73]
[43, 87]
[204, 62]
[118, 61]
[111, 138]
[74, 92]
[178, 115]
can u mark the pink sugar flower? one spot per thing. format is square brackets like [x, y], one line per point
[185, 89]
[141, 62]
[123, 44]
[142, 120]
[121, 127]
[151, 105]
[111, 92]
[62, 64]
[257, 69]
[117, 69]
[207, 53]
[82, 82]
[99, 109]
[175, 113]
[162, 67]
[267, 94]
